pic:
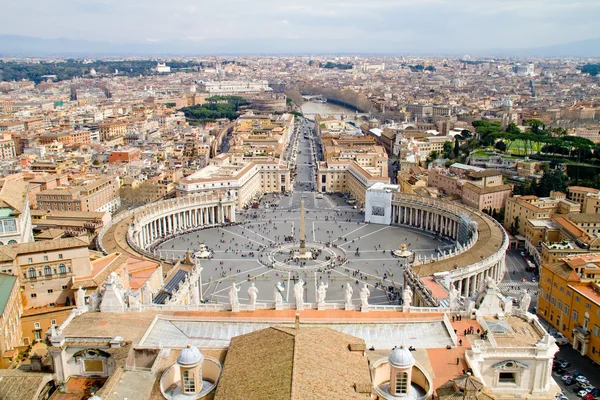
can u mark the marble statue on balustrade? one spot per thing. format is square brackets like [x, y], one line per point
[233, 297]
[81, 299]
[453, 296]
[146, 294]
[299, 294]
[364, 298]
[133, 300]
[348, 296]
[252, 295]
[194, 293]
[322, 294]
[525, 302]
[278, 293]
[407, 296]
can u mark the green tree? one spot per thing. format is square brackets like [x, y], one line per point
[554, 180]
[434, 155]
[500, 145]
[447, 148]
[513, 128]
[514, 227]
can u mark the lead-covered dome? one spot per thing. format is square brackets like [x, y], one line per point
[190, 356]
[401, 358]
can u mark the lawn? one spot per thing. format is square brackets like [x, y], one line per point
[518, 147]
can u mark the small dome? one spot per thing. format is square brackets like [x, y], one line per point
[401, 357]
[190, 356]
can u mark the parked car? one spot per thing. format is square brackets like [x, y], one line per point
[566, 376]
[589, 396]
[569, 381]
[581, 379]
[565, 364]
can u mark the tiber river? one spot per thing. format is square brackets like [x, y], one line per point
[311, 108]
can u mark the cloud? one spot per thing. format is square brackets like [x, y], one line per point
[380, 25]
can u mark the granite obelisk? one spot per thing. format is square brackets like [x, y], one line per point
[302, 229]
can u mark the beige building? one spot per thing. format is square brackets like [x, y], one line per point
[10, 314]
[579, 194]
[91, 194]
[346, 177]
[8, 150]
[15, 216]
[477, 187]
[46, 269]
[521, 208]
[243, 180]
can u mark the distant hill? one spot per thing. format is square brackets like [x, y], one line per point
[26, 46]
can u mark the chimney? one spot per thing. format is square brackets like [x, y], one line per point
[297, 321]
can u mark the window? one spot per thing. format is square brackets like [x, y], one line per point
[64, 287]
[189, 385]
[575, 315]
[577, 299]
[569, 293]
[38, 335]
[559, 306]
[50, 291]
[36, 325]
[31, 273]
[62, 269]
[507, 377]
[566, 309]
[33, 295]
[53, 322]
[588, 306]
[30, 260]
[60, 256]
[401, 383]
[553, 300]
[47, 270]
[45, 258]
[562, 288]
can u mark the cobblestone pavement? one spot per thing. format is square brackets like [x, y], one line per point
[238, 249]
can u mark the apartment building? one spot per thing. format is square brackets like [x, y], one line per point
[569, 299]
[113, 130]
[8, 150]
[521, 208]
[89, 194]
[579, 193]
[10, 323]
[244, 180]
[477, 187]
[227, 88]
[15, 215]
[125, 156]
[46, 269]
[591, 203]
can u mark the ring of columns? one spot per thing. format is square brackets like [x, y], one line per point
[149, 225]
[481, 242]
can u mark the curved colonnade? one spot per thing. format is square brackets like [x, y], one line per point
[146, 226]
[481, 241]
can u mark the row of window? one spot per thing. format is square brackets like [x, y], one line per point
[30, 260]
[49, 291]
[33, 274]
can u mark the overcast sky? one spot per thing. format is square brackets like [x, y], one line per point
[380, 25]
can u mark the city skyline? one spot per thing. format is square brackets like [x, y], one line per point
[307, 26]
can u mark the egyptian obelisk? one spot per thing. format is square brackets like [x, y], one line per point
[302, 232]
